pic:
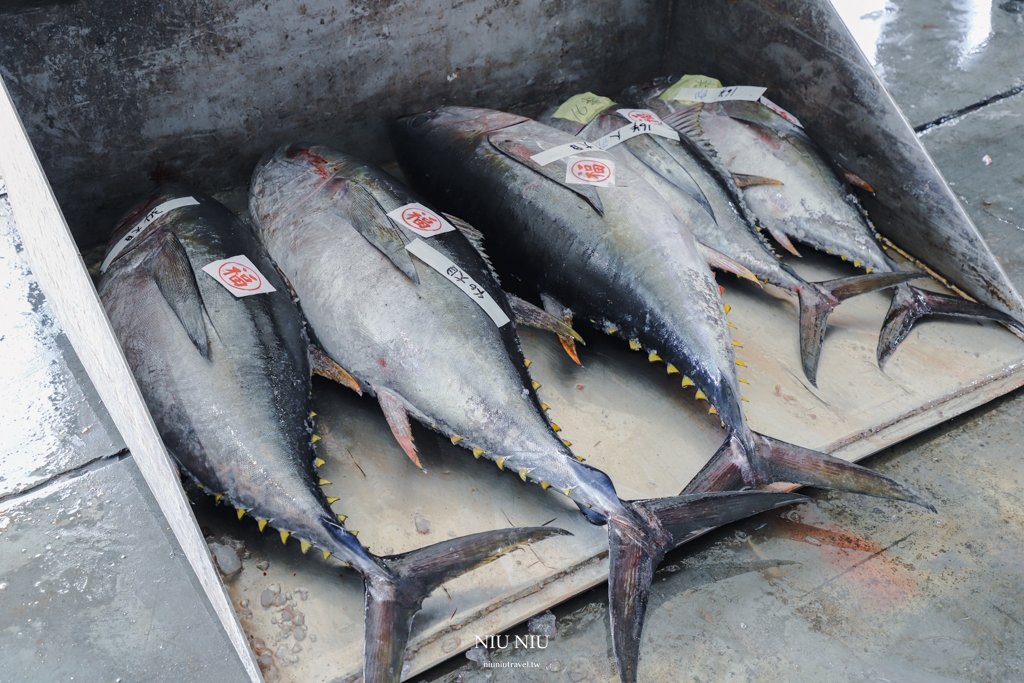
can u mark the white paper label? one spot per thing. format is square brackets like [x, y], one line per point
[239, 276]
[420, 220]
[143, 224]
[640, 116]
[562, 151]
[780, 111]
[750, 93]
[444, 265]
[590, 171]
[634, 129]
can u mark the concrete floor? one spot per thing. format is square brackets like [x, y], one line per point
[848, 588]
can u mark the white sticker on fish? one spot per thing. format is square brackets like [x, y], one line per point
[142, 225]
[750, 93]
[444, 265]
[420, 220]
[780, 111]
[239, 276]
[642, 122]
[590, 171]
[562, 151]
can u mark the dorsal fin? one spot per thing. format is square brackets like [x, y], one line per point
[554, 171]
[370, 220]
[476, 238]
[659, 160]
[176, 280]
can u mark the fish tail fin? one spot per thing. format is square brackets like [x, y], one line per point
[771, 460]
[910, 304]
[394, 596]
[818, 301]
[638, 541]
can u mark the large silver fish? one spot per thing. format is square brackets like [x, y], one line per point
[449, 354]
[227, 381]
[811, 204]
[696, 188]
[614, 254]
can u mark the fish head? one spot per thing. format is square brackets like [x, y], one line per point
[146, 218]
[452, 122]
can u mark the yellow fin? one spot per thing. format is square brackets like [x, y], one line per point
[712, 411]
[671, 369]
[522, 473]
[332, 501]
[736, 343]
[316, 437]
[241, 512]
[477, 452]
[653, 357]
[732, 326]
[536, 385]
[527, 362]
[304, 546]
[700, 395]
[354, 532]
[634, 344]
[325, 553]
[544, 485]
[312, 414]
[566, 491]
[554, 425]
[262, 523]
[217, 497]
[456, 439]
[687, 382]
[324, 482]
[319, 462]
[545, 406]
[740, 363]
[856, 264]
[284, 536]
[743, 380]
[843, 257]
[727, 308]
[201, 487]
[342, 518]
[501, 463]
[868, 269]
[568, 444]
[611, 330]
[744, 398]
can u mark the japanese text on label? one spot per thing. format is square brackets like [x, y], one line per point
[460, 278]
[641, 124]
[590, 171]
[239, 276]
[153, 215]
[420, 220]
[689, 81]
[582, 108]
[562, 151]
[749, 93]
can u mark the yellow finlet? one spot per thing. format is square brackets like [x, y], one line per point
[501, 463]
[527, 362]
[843, 257]
[319, 462]
[522, 473]
[653, 357]
[316, 437]
[477, 452]
[332, 501]
[671, 369]
[687, 382]
[868, 269]
[554, 425]
[304, 546]
[325, 553]
[354, 532]
[241, 512]
[700, 395]
[342, 518]
[580, 458]
[536, 385]
[744, 398]
[732, 326]
[284, 536]
[611, 330]
[736, 343]
[324, 482]
[712, 411]
[200, 487]
[856, 264]
[312, 414]
[544, 485]
[545, 406]
[740, 363]
[634, 344]
[456, 439]
[566, 492]
[217, 497]
[261, 523]
[743, 380]
[568, 444]
[727, 308]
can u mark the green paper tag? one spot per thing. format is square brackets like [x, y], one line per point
[582, 108]
[689, 81]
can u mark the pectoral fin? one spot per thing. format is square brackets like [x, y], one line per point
[176, 280]
[743, 180]
[720, 261]
[398, 419]
[322, 364]
[554, 171]
[653, 154]
[857, 181]
[371, 221]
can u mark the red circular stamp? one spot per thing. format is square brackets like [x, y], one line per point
[239, 276]
[591, 170]
[422, 219]
[643, 116]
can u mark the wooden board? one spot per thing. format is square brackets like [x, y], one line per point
[627, 417]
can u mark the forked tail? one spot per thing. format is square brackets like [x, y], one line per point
[818, 301]
[910, 304]
[771, 460]
[638, 541]
[395, 594]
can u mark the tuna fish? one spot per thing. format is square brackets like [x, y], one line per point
[419, 319]
[617, 255]
[695, 185]
[227, 381]
[811, 204]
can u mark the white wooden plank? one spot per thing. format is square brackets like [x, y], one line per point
[62, 276]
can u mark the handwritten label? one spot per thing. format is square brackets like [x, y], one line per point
[780, 111]
[562, 151]
[420, 220]
[153, 215]
[456, 275]
[749, 93]
[582, 108]
[239, 276]
[689, 81]
[590, 171]
[643, 122]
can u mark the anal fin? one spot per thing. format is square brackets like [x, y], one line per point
[398, 419]
[783, 240]
[322, 364]
[176, 281]
[720, 261]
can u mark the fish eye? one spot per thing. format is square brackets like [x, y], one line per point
[419, 119]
